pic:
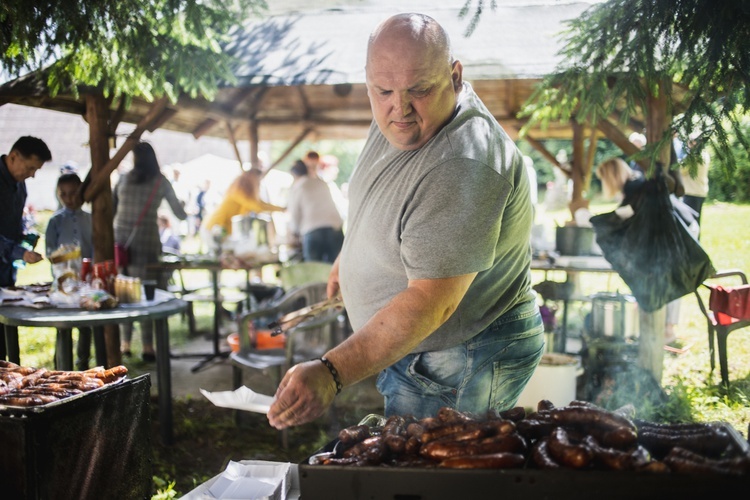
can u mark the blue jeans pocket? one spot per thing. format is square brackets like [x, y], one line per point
[509, 378]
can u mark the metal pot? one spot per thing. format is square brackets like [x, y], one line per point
[614, 315]
[574, 240]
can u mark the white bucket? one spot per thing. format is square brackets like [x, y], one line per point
[554, 380]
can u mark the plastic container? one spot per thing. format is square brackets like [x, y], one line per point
[263, 340]
[555, 380]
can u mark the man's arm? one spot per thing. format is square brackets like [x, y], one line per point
[410, 317]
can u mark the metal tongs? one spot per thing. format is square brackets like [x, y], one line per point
[294, 318]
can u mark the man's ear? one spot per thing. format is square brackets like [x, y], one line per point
[457, 75]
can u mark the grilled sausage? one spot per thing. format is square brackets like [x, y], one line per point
[710, 442]
[685, 461]
[456, 431]
[360, 448]
[442, 449]
[354, 434]
[514, 414]
[534, 429]
[566, 453]
[615, 459]
[587, 417]
[545, 405]
[621, 439]
[540, 455]
[450, 415]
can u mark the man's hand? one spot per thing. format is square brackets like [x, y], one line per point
[304, 394]
[31, 257]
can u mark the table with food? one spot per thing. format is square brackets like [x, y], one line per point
[91, 295]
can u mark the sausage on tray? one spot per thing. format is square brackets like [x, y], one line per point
[567, 453]
[540, 455]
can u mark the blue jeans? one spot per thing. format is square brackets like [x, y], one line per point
[322, 244]
[487, 372]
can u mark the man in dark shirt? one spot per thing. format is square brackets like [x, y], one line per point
[26, 156]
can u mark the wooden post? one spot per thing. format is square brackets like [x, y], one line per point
[254, 146]
[651, 339]
[97, 116]
[577, 170]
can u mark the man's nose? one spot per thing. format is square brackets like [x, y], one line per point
[404, 103]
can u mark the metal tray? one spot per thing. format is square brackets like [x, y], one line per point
[10, 410]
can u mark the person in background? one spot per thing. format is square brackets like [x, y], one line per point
[70, 225]
[201, 204]
[242, 198]
[696, 187]
[26, 157]
[314, 219]
[170, 242]
[328, 170]
[435, 267]
[136, 199]
[619, 181]
[184, 194]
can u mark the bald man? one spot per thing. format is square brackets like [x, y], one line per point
[434, 270]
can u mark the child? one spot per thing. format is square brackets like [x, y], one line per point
[170, 242]
[71, 225]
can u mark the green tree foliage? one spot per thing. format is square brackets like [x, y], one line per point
[731, 185]
[618, 51]
[123, 47]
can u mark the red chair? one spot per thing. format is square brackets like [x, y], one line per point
[728, 310]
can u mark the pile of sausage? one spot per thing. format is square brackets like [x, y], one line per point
[26, 386]
[578, 436]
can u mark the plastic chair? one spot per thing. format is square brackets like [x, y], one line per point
[718, 320]
[308, 340]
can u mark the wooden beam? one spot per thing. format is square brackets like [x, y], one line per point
[590, 157]
[632, 123]
[116, 117]
[289, 149]
[620, 140]
[204, 127]
[254, 144]
[233, 141]
[545, 153]
[100, 179]
[305, 102]
[163, 118]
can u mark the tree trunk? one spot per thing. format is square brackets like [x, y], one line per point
[651, 339]
[97, 115]
[577, 173]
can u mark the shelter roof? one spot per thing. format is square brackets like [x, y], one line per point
[301, 69]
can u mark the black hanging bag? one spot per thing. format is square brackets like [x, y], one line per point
[653, 251]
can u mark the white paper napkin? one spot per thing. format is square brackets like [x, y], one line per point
[243, 398]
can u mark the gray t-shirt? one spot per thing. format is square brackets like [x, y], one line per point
[458, 205]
